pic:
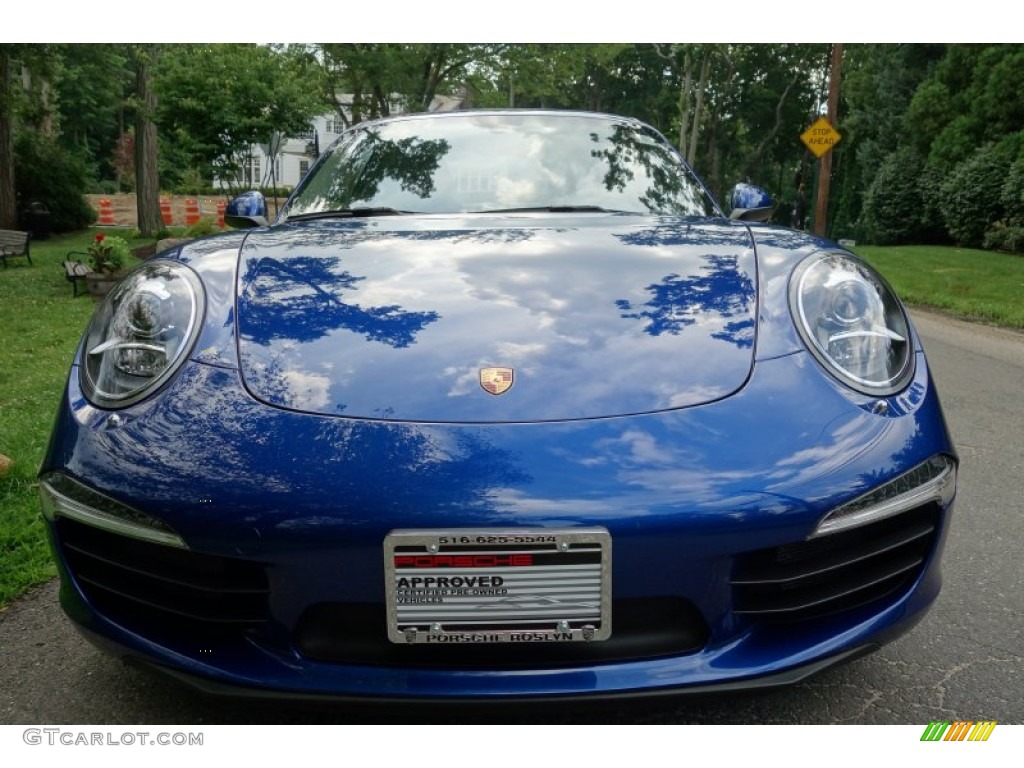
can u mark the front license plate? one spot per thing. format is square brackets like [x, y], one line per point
[470, 585]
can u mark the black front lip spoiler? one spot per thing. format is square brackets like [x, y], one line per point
[213, 688]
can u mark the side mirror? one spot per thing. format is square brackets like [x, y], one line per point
[750, 203]
[246, 211]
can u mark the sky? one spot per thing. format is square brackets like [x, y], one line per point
[522, 21]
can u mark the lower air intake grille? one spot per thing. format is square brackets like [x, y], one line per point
[354, 633]
[136, 581]
[835, 573]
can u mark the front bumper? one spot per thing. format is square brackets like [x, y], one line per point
[212, 687]
[307, 501]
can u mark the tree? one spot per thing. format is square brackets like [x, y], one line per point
[15, 103]
[691, 92]
[147, 180]
[29, 128]
[218, 101]
[755, 104]
[94, 88]
[970, 96]
[939, 103]
[52, 174]
[366, 80]
[872, 102]
[8, 204]
[543, 74]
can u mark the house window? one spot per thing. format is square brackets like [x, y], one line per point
[307, 134]
[303, 168]
[249, 171]
[334, 125]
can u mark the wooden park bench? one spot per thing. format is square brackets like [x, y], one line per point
[14, 243]
[75, 271]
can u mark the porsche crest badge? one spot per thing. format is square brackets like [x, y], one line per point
[496, 381]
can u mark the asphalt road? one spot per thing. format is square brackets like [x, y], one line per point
[965, 661]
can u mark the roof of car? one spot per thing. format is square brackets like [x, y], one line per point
[498, 112]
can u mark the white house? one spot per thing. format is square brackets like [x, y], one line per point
[293, 155]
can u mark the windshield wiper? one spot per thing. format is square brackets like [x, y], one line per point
[347, 213]
[556, 209]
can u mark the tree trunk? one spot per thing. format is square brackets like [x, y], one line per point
[46, 126]
[147, 179]
[434, 71]
[714, 164]
[691, 155]
[754, 162]
[357, 104]
[8, 207]
[684, 105]
[339, 110]
[383, 106]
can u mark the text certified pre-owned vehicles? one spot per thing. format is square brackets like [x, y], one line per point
[501, 405]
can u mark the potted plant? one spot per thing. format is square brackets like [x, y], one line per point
[106, 260]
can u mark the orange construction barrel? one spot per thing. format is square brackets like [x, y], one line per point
[106, 212]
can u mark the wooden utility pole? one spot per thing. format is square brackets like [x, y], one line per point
[825, 169]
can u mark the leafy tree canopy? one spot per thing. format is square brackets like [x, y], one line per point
[217, 100]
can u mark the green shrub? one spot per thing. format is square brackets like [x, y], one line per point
[206, 226]
[107, 253]
[1012, 194]
[206, 190]
[954, 144]
[45, 171]
[893, 208]
[933, 225]
[161, 233]
[1006, 235]
[971, 196]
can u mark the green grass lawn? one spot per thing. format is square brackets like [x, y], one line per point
[973, 285]
[41, 325]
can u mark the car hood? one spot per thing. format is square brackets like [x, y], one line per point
[592, 316]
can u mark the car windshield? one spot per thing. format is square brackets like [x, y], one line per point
[471, 163]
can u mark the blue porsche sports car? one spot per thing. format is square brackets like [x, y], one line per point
[500, 406]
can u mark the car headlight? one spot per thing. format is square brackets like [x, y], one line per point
[852, 323]
[141, 334]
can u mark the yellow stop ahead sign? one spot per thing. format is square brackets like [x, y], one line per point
[820, 137]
